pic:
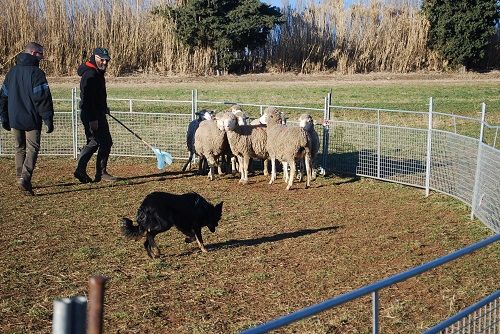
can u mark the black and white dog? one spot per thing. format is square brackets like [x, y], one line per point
[160, 211]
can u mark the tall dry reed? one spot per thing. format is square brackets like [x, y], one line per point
[374, 36]
[367, 36]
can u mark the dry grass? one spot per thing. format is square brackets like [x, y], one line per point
[274, 252]
[377, 36]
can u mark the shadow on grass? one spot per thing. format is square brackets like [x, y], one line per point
[121, 182]
[273, 238]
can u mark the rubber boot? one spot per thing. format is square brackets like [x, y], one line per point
[101, 172]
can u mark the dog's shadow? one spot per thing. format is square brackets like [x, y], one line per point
[233, 243]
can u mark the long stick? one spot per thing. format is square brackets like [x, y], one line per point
[132, 132]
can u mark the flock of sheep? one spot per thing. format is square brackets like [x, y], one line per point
[223, 138]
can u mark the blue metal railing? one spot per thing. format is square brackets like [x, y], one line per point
[464, 313]
[367, 289]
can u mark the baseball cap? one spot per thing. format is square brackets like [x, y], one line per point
[102, 53]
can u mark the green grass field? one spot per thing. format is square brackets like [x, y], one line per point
[457, 96]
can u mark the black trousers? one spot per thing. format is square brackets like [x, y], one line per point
[99, 141]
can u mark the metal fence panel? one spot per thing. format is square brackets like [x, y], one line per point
[384, 152]
[403, 155]
[480, 318]
[347, 144]
[487, 201]
[59, 142]
[164, 131]
[453, 164]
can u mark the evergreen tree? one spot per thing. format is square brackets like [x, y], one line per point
[461, 30]
[232, 28]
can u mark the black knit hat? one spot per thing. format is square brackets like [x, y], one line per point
[102, 53]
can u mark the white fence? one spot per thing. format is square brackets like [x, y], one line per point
[452, 154]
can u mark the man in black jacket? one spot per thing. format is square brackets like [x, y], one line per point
[93, 111]
[26, 102]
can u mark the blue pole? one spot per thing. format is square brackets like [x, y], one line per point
[463, 313]
[330, 303]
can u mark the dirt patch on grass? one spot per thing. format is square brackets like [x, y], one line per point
[273, 253]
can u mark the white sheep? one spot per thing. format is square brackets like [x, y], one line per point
[210, 142]
[245, 141]
[307, 123]
[240, 114]
[287, 144]
[262, 120]
[191, 129]
[242, 120]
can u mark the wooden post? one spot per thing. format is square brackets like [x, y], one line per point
[96, 304]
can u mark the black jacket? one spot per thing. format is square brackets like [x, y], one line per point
[25, 98]
[93, 95]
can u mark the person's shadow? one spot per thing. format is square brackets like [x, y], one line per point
[121, 182]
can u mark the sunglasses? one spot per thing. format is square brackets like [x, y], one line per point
[102, 60]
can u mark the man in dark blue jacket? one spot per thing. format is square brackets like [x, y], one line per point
[26, 102]
[93, 111]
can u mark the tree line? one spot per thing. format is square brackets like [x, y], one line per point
[209, 37]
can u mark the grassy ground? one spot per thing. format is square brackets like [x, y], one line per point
[454, 94]
[274, 251]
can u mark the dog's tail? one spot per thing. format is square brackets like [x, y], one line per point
[130, 230]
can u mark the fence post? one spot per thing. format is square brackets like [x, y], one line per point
[379, 143]
[69, 315]
[61, 319]
[194, 103]
[96, 304]
[326, 131]
[74, 122]
[375, 312]
[475, 192]
[429, 148]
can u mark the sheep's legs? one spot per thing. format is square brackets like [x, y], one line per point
[273, 170]
[234, 161]
[266, 163]
[188, 162]
[292, 175]
[244, 161]
[308, 162]
[211, 172]
[285, 171]
[300, 170]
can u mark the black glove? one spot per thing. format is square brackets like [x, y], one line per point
[107, 111]
[5, 125]
[50, 125]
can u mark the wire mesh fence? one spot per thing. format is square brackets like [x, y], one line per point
[480, 318]
[430, 150]
[162, 130]
[455, 155]
[453, 167]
